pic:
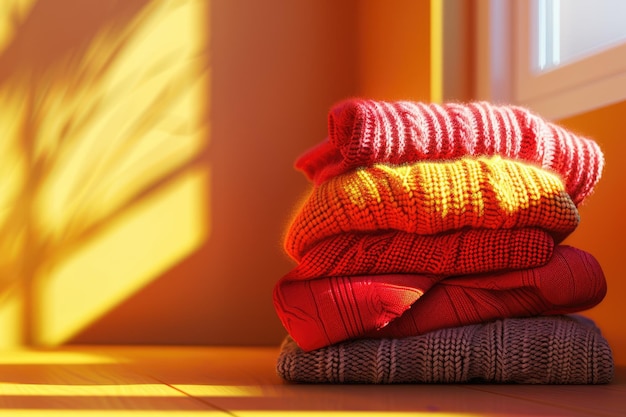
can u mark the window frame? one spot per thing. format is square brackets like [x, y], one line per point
[504, 67]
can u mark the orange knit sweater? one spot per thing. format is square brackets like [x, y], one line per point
[434, 197]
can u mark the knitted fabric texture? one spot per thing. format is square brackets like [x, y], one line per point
[537, 350]
[364, 132]
[432, 198]
[320, 312]
[467, 251]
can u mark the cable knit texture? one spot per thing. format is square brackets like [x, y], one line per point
[434, 197]
[537, 350]
[323, 311]
[364, 132]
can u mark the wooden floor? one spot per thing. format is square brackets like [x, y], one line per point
[199, 381]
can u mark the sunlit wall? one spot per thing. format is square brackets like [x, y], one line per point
[103, 137]
[146, 168]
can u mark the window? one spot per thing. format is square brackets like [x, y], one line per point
[567, 31]
[558, 58]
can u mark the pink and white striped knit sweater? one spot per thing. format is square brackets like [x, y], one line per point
[363, 132]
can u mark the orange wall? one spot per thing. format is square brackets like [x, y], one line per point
[603, 223]
[394, 49]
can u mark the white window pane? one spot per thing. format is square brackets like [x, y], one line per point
[568, 30]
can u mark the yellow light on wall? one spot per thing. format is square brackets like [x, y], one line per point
[133, 250]
[103, 180]
[436, 51]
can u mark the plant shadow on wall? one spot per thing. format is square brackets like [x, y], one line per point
[103, 176]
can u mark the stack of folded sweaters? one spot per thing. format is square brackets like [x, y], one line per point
[430, 250]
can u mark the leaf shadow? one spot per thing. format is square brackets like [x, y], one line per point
[60, 74]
